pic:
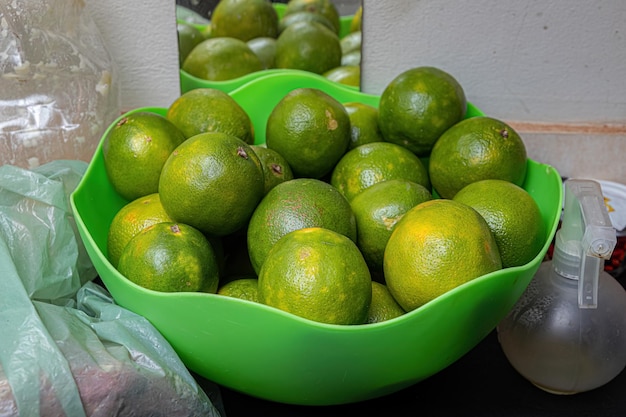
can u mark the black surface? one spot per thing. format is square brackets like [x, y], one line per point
[482, 383]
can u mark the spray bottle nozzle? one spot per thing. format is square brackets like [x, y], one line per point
[585, 239]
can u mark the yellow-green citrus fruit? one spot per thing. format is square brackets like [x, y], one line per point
[308, 46]
[221, 59]
[131, 219]
[213, 182]
[357, 19]
[378, 209]
[292, 18]
[325, 8]
[275, 167]
[352, 58]
[346, 74]
[383, 307]
[437, 246]
[170, 257]
[351, 42]
[317, 274]
[204, 110]
[188, 37]
[265, 49]
[244, 19]
[376, 162]
[512, 215]
[134, 151]
[476, 149]
[297, 204]
[418, 105]
[206, 31]
[310, 129]
[363, 124]
[242, 288]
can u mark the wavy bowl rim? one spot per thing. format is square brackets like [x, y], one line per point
[408, 316]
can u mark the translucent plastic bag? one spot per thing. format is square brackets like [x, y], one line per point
[66, 349]
[37, 226]
[58, 84]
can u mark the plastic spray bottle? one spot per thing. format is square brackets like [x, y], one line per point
[567, 332]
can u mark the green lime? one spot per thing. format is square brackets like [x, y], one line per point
[135, 150]
[213, 182]
[317, 274]
[244, 19]
[308, 46]
[310, 129]
[418, 105]
[297, 204]
[170, 257]
[203, 110]
[476, 149]
[221, 59]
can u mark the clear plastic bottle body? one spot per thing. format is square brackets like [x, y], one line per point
[560, 347]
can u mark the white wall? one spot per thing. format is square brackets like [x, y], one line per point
[142, 38]
[555, 69]
[559, 60]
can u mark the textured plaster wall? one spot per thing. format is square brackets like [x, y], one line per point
[141, 35]
[562, 60]
[556, 70]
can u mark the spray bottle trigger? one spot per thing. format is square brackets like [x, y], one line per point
[588, 282]
[598, 238]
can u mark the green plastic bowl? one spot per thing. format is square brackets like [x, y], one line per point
[189, 82]
[267, 353]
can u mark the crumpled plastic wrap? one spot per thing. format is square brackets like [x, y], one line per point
[66, 348]
[37, 226]
[58, 83]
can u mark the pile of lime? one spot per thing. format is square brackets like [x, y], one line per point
[346, 214]
[246, 36]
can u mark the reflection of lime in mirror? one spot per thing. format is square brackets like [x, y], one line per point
[357, 18]
[325, 8]
[188, 37]
[219, 59]
[351, 58]
[265, 48]
[191, 15]
[304, 16]
[308, 46]
[345, 74]
[244, 19]
[351, 42]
